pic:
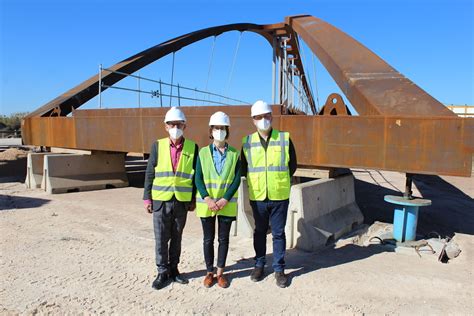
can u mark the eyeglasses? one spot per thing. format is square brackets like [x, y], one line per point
[177, 124]
[261, 116]
[217, 127]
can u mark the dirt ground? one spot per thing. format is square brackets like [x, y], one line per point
[93, 252]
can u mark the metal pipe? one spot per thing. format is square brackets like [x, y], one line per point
[161, 99]
[300, 97]
[274, 71]
[291, 80]
[138, 86]
[172, 75]
[100, 86]
[179, 99]
[408, 194]
[280, 73]
[285, 69]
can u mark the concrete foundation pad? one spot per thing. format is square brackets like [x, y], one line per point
[76, 172]
[321, 211]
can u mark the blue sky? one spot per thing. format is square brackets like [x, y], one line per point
[49, 46]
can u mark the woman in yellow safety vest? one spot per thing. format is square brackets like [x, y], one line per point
[217, 181]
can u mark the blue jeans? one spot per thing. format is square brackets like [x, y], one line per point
[223, 232]
[273, 213]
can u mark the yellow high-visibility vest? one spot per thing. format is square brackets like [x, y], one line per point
[268, 171]
[217, 184]
[168, 183]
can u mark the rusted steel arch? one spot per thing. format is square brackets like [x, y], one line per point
[77, 96]
[400, 127]
[371, 85]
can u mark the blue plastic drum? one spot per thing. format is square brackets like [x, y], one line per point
[405, 216]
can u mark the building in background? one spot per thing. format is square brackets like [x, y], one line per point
[462, 110]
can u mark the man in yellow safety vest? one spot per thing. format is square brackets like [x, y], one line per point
[169, 194]
[268, 160]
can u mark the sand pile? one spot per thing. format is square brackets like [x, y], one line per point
[13, 154]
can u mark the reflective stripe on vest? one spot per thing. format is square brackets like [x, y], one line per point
[268, 166]
[166, 182]
[217, 184]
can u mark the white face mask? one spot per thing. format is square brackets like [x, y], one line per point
[219, 134]
[264, 124]
[175, 133]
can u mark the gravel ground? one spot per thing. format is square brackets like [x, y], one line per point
[93, 252]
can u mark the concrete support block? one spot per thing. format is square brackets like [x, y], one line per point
[34, 170]
[76, 172]
[321, 211]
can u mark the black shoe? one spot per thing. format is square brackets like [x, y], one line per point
[257, 274]
[178, 277]
[281, 279]
[161, 281]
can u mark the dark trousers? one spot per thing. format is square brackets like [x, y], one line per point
[273, 213]
[169, 218]
[223, 231]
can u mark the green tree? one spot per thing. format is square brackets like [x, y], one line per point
[13, 121]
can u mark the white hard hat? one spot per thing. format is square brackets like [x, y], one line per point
[260, 107]
[174, 114]
[219, 118]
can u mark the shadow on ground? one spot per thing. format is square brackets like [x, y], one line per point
[452, 211]
[300, 262]
[8, 202]
[135, 168]
[13, 170]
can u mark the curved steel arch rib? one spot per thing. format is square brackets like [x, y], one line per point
[371, 85]
[77, 96]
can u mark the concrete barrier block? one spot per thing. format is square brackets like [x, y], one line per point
[75, 172]
[34, 170]
[245, 222]
[321, 211]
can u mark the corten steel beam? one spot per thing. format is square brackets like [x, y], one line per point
[371, 85]
[426, 145]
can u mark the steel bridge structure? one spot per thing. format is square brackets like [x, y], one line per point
[399, 126]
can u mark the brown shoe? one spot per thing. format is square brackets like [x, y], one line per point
[209, 279]
[222, 281]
